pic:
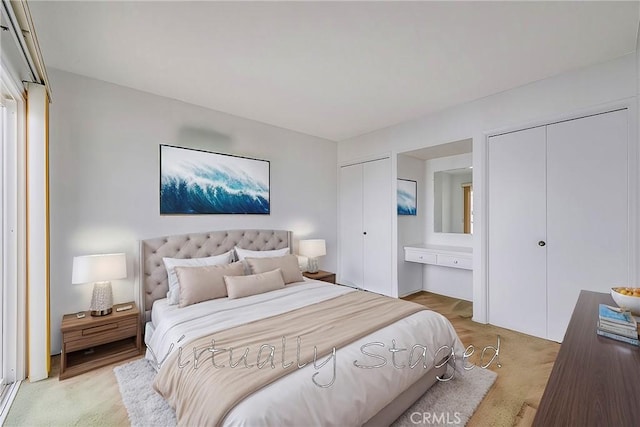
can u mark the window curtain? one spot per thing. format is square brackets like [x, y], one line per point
[38, 329]
[22, 64]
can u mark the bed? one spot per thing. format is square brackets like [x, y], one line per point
[352, 387]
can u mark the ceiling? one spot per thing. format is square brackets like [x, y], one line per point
[442, 150]
[330, 69]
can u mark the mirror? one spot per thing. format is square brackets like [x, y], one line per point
[453, 201]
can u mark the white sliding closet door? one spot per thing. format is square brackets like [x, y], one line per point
[558, 220]
[587, 211]
[517, 225]
[365, 226]
[351, 225]
[377, 226]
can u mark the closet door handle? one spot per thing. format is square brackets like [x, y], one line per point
[542, 243]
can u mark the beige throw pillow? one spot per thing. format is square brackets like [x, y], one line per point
[173, 296]
[288, 264]
[244, 286]
[199, 284]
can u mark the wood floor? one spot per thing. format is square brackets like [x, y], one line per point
[94, 399]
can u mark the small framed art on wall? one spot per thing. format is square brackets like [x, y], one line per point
[407, 197]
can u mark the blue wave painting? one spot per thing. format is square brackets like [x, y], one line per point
[201, 182]
[407, 192]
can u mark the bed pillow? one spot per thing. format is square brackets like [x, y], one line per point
[288, 264]
[199, 284]
[244, 253]
[173, 296]
[244, 286]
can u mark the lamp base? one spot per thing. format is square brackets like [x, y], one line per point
[102, 299]
[97, 313]
[312, 265]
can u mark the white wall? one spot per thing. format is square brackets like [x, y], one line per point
[544, 100]
[104, 179]
[541, 100]
[452, 282]
[410, 227]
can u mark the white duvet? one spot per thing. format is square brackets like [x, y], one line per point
[356, 393]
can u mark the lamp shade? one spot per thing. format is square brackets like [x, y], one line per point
[312, 248]
[98, 268]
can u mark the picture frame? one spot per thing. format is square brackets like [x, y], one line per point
[407, 195]
[199, 182]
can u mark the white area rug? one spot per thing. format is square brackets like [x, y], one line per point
[446, 403]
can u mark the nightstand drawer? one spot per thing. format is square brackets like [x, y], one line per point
[100, 334]
[98, 329]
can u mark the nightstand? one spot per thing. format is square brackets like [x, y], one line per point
[91, 342]
[324, 276]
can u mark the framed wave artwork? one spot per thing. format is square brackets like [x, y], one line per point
[407, 197]
[194, 182]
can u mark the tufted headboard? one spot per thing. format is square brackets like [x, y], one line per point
[153, 276]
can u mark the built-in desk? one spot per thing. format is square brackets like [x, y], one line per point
[445, 256]
[595, 381]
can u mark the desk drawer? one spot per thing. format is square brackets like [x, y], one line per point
[422, 257]
[455, 262]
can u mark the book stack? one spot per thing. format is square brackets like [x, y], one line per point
[617, 324]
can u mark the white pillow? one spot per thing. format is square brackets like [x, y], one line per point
[173, 296]
[246, 253]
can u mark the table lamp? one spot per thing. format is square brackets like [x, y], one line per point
[312, 249]
[99, 269]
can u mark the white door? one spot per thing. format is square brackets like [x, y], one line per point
[377, 210]
[517, 231]
[351, 226]
[587, 212]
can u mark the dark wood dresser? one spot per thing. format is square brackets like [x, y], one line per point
[595, 381]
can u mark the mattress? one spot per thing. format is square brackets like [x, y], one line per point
[359, 391]
[161, 310]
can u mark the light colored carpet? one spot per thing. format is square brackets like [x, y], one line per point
[450, 402]
[526, 363]
[446, 403]
[144, 405]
